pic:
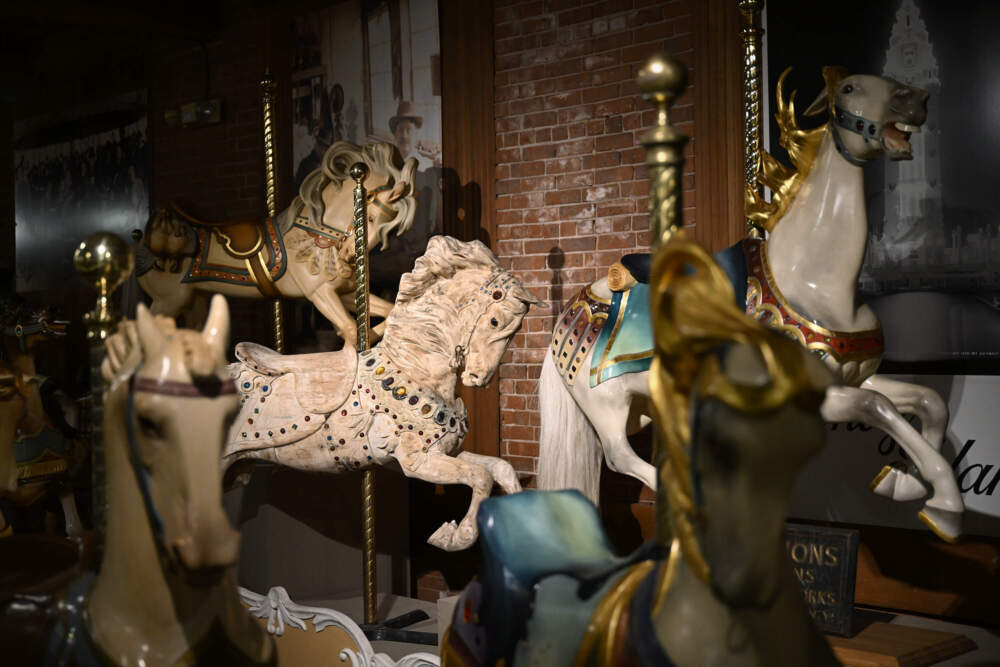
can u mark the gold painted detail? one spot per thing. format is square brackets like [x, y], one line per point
[620, 278]
[599, 638]
[50, 467]
[783, 181]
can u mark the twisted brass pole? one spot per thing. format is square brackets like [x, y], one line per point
[267, 88]
[359, 171]
[753, 128]
[104, 261]
[662, 80]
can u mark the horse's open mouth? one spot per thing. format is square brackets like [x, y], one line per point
[896, 140]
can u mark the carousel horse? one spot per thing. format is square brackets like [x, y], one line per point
[166, 590]
[307, 251]
[455, 314]
[46, 451]
[801, 281]
[738, 408]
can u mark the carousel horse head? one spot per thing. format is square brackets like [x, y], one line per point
[464, 305]
[738, 406]
[167, 410]
[24, 327]
[328, 192]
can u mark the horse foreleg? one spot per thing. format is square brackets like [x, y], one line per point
[502, 471]
[377, 307]
[438, 468]
[915, 399]
[943, 510]
[328, 302]
[74, 527]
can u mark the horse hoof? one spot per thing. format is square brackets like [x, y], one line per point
[898, 484]
[946, 524]
[442, 536]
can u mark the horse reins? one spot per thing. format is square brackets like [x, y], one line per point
[210, 388]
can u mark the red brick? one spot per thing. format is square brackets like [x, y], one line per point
[563, 197]
[578, 15]
[528, 200]
[577, 211]
[574, 147]
[598, 93]
[610, 142]
[574, 180]
[528, 105]
[537, 152]
[563, 165]
[540, 119]
[564, 99]
[538, 183]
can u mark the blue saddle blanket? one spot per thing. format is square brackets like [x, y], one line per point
[625, 344]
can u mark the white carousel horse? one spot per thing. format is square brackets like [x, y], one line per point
[307, 251]
[336, 411]
[802, 280]
[166, 592]
[738, 406]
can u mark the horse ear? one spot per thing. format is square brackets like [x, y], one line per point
[216, 330]
[151, 338]
[524, 295]
[819, 105]
[398, 190]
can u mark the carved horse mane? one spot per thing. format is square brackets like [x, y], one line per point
[802, 146]
[334, 169]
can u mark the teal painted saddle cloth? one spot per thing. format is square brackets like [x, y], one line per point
[618, 330]
[625, 344]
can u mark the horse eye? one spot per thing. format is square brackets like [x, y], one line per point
[494, 323]
[847, 89]
[150, 428]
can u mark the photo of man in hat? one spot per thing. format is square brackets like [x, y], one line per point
[404, 126]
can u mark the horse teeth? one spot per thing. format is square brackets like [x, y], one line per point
[903, 127]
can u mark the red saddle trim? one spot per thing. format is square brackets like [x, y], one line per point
[766, 304]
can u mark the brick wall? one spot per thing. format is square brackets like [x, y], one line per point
[216, 172]
[570, 177]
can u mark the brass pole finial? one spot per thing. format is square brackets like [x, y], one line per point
[104, 261]
[662, 80]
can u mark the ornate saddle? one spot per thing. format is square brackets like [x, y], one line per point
[323, 380]
[525, 539]
[242, 252]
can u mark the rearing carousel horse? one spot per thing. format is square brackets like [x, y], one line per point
[306, 251]
[455, 314]
[801, 281]
[166, 590]
[738, 408]
[47, 452]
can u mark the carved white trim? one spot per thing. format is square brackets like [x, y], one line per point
[279, 610]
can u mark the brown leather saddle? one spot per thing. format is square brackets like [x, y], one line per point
[256, 246]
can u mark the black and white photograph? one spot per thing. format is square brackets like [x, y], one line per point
[370, 71]
[932, 269]
[74, 177]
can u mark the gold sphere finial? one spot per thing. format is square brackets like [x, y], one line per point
[359, 172]
[662, 78]
[104, 260]
[750, 7]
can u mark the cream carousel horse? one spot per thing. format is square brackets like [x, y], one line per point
[307, 251]
[336, 411]
[738, 407]
[802, 281]
[166, 591]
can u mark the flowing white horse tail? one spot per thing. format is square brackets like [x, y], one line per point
[569, 451]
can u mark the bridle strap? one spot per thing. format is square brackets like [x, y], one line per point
[867, 129]
[208, 388]
[484, 289]
[142, 475]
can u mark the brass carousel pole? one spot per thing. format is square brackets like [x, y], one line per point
[359, 171]
[753, 128]
[661, 81]
[104, 261]
[267, 88]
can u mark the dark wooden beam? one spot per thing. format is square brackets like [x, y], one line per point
[467, 138]
[718, 124]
